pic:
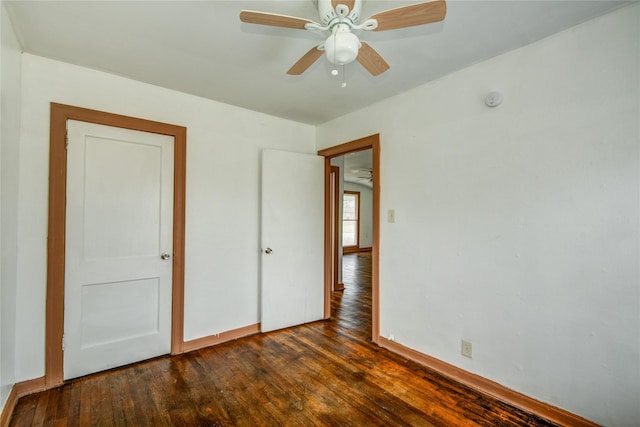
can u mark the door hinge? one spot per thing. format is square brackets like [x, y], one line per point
[62, 342]
[66, 140]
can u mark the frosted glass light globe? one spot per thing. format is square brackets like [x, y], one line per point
[342, 47]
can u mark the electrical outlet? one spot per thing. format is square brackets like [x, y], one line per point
[467, 349]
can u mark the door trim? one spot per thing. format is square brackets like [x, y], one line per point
[369, 142]
[335, 190]
[54, 329]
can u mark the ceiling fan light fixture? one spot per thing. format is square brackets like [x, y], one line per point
[342, 47]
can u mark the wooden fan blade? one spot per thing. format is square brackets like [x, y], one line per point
[305, 62]
[371, 60]
[273, 19]
[348, 3]
[408, 16]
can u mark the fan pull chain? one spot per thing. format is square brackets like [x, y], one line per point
[335, 72]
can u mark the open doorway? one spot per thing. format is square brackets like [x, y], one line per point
[357, 202]
[369, 173]
[352, 209]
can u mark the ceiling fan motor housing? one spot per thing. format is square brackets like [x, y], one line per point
[328, 13]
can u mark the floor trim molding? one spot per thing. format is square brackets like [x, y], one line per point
[9, 406]
[35, 385]
[484, 385]
[215, 339]
[18, 390]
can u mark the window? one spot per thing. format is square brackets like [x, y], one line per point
[350, 218]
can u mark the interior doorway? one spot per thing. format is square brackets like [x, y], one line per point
[119, 245]
[351, 206]
[56, 250]
[367, 143]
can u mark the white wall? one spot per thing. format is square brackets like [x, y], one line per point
[9, 155]
[222, 200]
[366, 213]
[517, 227]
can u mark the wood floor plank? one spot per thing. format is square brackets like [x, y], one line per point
[204, 392]
[325, 373]
[139, 388]
[73, 414]
[319, 390]
[121, 403]
[356, 391]
[24, 411]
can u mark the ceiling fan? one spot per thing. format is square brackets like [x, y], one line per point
[368, 177]
[340, 18]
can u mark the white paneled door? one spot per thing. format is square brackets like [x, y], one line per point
[118, 257]
[292, 239]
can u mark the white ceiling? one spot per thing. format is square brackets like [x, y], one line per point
[202, 48]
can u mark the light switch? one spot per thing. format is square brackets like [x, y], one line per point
[391, 215]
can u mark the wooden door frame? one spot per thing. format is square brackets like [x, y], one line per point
[335, 189]
[369, 142]
[54, 330]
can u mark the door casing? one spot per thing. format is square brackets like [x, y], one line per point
[54, 330]
[334, 218]
[369, 142]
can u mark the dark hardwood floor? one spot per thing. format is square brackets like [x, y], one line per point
[321, 374]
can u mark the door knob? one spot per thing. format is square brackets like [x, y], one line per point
[268, 251]
[165, 256]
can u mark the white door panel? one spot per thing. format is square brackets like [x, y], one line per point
[119, 222]
[110, 199]
[293, 228]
